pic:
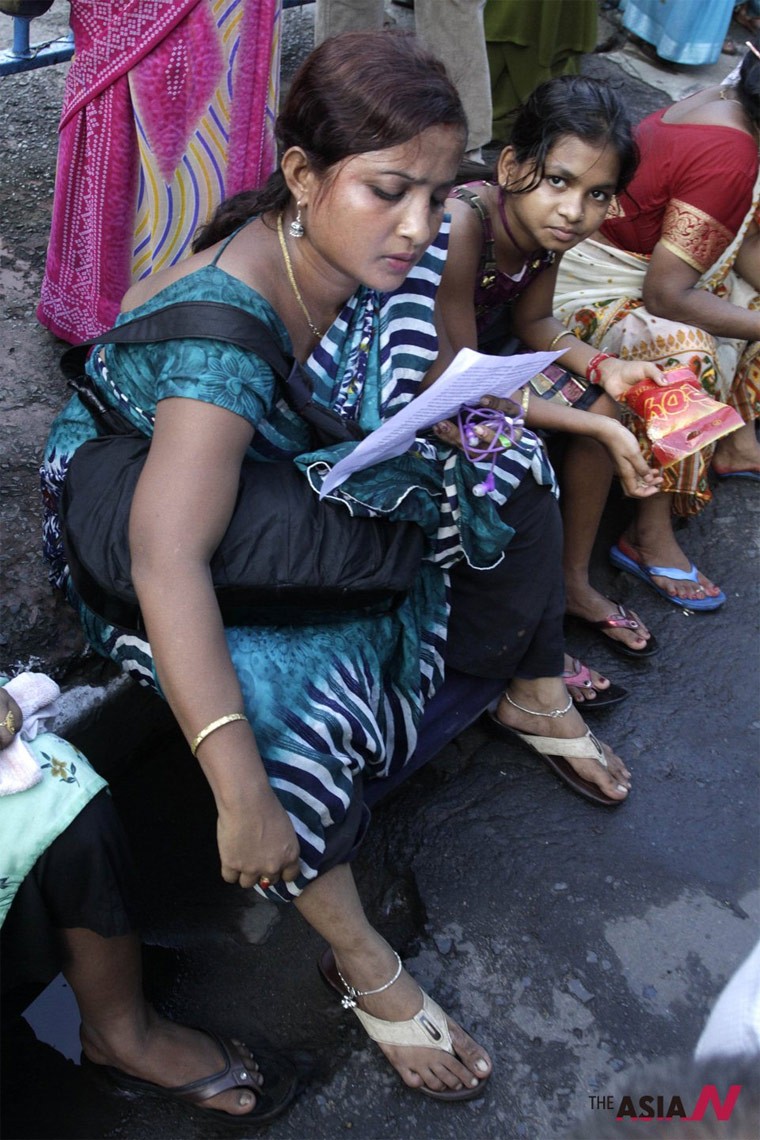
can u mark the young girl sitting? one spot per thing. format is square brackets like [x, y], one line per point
[572, 151]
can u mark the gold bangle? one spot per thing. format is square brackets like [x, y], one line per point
[565, 332]
[215, 724]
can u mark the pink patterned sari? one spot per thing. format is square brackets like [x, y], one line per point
[169, 108]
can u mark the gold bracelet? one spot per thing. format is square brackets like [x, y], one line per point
[565, 332]
[215, 724]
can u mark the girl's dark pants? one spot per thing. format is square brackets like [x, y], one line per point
[508, 622]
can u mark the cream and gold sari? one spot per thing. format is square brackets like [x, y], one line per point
[599, 296]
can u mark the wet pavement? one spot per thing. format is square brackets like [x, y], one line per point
[575, 941]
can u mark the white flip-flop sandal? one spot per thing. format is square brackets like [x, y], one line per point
[557, 753]
[427, 1029]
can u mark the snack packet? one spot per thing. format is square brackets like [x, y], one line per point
[679, 417]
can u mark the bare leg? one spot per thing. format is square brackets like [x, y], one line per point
[332, 906]
[739, 451]
[650, 540]
[548, 694]
[121, 1029]
[586, 479]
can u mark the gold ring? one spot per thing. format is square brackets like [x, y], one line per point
[9, 723]
[264, 882]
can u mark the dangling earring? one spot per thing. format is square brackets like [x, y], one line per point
[295, 229]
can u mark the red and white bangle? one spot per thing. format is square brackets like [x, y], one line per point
[593, 373]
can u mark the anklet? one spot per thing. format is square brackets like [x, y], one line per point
[348, 1001]
[532, 712]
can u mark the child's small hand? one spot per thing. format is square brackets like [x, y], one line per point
[617, 376]
[448, 430]
[638, 479]
[11, 718]
[502, 404]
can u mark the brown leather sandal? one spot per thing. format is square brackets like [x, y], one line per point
[273, 1096]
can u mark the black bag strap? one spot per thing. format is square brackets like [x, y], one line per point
[217, 320]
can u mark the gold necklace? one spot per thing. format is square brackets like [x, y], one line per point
[291, 278]
[727, 97]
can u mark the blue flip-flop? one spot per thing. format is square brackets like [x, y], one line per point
[646, 573]
[754, 476]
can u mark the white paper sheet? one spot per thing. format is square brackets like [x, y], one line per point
[469, 377]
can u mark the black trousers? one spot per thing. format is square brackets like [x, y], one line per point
[85, 878]
[508, 622]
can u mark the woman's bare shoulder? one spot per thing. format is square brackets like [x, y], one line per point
[247, 255]
[142, 291]
[710, 107]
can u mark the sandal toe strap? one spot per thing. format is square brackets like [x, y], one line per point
[234, 1075]
[428, 1028]
[691, 575]
[620, 619]
[580, 678]
[577, 747]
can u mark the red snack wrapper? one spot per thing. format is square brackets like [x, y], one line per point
[679, 417]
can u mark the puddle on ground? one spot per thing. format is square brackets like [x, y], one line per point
[54, 1018]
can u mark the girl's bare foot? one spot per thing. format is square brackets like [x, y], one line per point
[582, 693]
[668, 553]
[739, 451]
[584, 602]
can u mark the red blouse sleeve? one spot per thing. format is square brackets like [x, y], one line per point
[692, 192]
[711, 193]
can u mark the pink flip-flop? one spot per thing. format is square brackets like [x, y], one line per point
[580, 678]
[620, 618]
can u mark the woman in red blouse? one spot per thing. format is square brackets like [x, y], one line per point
[673, 277]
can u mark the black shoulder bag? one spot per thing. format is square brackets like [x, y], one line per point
[286, 557]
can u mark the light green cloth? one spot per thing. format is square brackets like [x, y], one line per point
[529, 42]
[31, 820]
